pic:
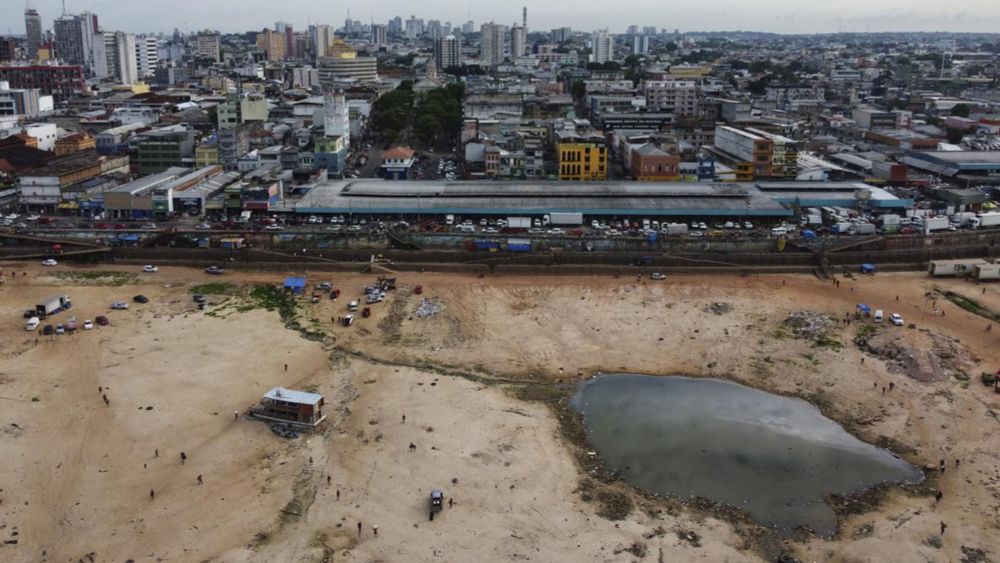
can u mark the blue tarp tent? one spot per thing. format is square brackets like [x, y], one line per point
[864, 309]
[868, 268]
[296, 285]
[808, 235]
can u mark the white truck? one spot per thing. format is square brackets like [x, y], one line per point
[518, 222]
[932, 224]
[676, 228]
[984, 220]
[888, 220]
[863, 229]
[963, 219]
[986, 271]
[565, 219]
[950, 268]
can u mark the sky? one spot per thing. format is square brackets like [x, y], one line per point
[780, 16]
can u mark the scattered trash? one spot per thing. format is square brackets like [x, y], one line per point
[429, 307]
[719, 308]
[809, 325]
[284, 430]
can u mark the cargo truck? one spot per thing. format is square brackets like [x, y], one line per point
[932, 224]
[985, 220]
[960, 268]
[676, 228]
[984, 272]
[963, 219]
[864, 229]
[518, 222]
[53, 305]
[518, 245]
[888, 220]
[566, 219]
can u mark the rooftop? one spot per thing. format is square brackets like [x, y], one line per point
[291, 396]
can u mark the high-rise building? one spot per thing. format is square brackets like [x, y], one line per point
[640, 44]
[561, 34]
[518, 41]
[491, 48]
[447, 52]
[468, 27]
[69, 40]
[649, 30]
[290, 42]
[602, 46]
[395, 28]
[8, 49]
[414, 27]
[209, 46]
[632, 30]
[147, 55]
[121, 60]
[336, 121]
[378, 35]
[272, 43]
[434, 29]
[324, 34]
[33, 32]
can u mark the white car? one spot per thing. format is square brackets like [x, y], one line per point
[32, 218]
[274, 228]
[119, 305]
[556, 231]
[49, 262]
[150, 269]
[896, 319]
[88, 324]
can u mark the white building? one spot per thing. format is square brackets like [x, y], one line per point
[324, 35]
[120, 50]
[147, 55]
[679, 97]
[518, 41]
[336, 117]
[602, 46]
[45, 133]
[491, 48]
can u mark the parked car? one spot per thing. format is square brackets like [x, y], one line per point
[71, 324]
[119, 305]
[49, 262]
[48, 330]
[198, 298]
[60, 329]
[215, 270]
[32, 323]
[140, 299]
[102, 320]
[88, 324]
[658, 276]
[150, 269]
[896, 319]
[28, 313]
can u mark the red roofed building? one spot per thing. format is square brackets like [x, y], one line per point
[397, 162]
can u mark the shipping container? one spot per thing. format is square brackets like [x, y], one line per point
[990, 219]
[936, 224]
[986, 271]
[488, 245]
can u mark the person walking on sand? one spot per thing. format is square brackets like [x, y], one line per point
[989, 327]
[941, 465]
[152, 494]
[943, 528]
[200, 480]
[338, 494]
[286, 367]
[328, 480]
[359, 529]
[156, 453]
[183, 457]
[404, 419]
[937, 496]
[106, 401]
[375, 529]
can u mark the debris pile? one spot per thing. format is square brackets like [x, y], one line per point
[809, 325]
[719, 308]
[429, 307]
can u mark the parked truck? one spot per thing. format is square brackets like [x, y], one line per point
[863, 229]
[518, 222]
[518, 245]
[566, 219]
[960, 268]
[932, 224]
[888, 220]
[53, 305]
[982, 272]
[963, 219]
[676, 228]
[985, 220]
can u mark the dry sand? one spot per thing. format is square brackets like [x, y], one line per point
[78, 473]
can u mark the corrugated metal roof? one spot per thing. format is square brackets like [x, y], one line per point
[291, 396]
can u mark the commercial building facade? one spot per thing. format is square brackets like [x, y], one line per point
[61, 82]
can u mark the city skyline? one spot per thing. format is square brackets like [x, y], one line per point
[777, 16]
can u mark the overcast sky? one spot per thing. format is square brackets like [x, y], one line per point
[783, 16]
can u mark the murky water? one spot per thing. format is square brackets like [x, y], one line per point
[773, 456]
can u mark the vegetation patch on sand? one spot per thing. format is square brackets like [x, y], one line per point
[971, 305]
[219, 288]
[96, 277]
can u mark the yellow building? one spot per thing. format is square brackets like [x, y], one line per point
[137, 88]
[272, 43]
[76, 142]
[690, 71]
[582, 159]
[206, 155]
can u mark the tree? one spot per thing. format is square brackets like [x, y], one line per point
[961, 110]
[578, 90]
[954, 135]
